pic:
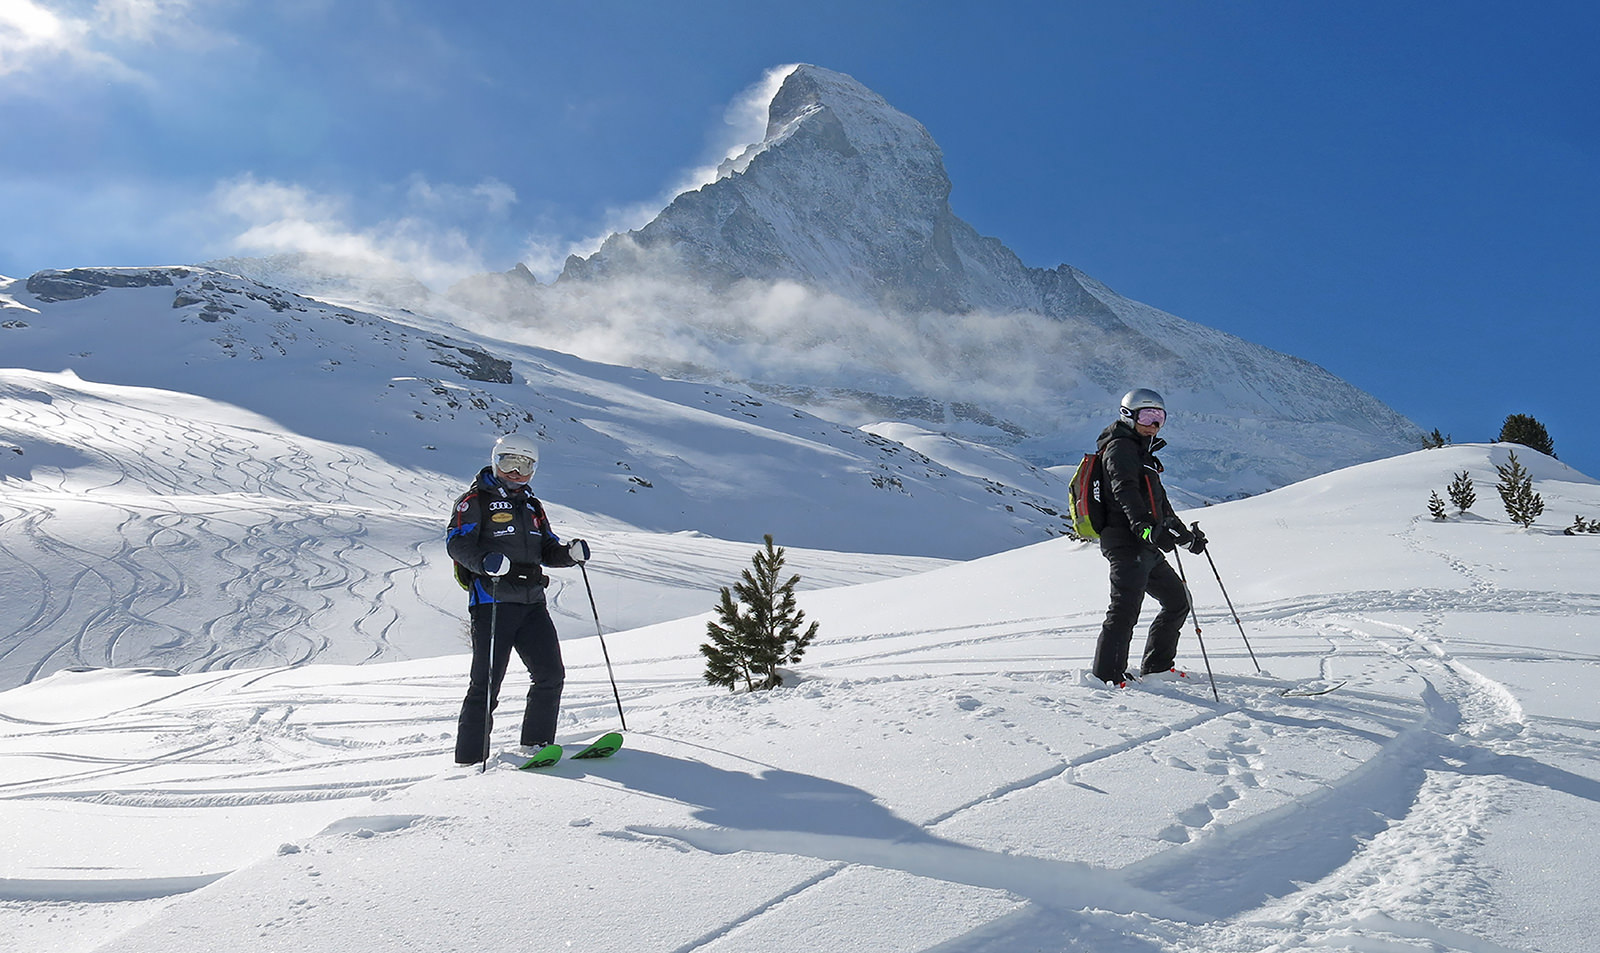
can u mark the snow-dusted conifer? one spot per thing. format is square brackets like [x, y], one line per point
[1436, 505]
[1461, 492]
[1523, 505]
[1524, 429]
[761, 631]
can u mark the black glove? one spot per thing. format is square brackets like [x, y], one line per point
[579, 551]
[1171, 534]
[1198, 545]
[1145, 533]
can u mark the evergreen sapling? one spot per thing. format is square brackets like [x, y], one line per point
[1461, 492]
[761, 631]
[1522, 504]
[1436, 505]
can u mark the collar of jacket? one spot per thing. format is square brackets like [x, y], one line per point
[1150, 445]
[494, 484]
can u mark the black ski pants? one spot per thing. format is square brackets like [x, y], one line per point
[1136, 570]
[527, 628]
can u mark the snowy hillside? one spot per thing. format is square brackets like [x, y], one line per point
[422, 396]
[937, 776]
[825, 267]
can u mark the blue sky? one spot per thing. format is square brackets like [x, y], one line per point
[1405, 193]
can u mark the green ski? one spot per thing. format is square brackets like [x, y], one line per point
[602, 747]
[543, 758]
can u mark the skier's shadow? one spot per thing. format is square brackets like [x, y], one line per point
[778, 811]
[771, 799]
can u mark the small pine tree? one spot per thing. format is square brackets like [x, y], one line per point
[1434, 440]
[1461, 492]
[761, 631]
[1516, 492]
[1523, 429]
[1436, 505]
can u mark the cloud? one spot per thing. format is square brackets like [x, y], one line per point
[31, 34]
[655, 316]
[41, 37]
[494, 196]
[744, 126]
[745, 120]
[430, 241]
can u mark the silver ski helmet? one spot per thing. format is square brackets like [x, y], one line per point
[515, 445]
[1139, 398]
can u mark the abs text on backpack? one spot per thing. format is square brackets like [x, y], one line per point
[1088, 507]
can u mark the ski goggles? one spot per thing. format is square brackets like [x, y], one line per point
[515, 463]
[1150, 416]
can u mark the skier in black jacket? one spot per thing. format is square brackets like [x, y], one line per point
[499, 537]
[1139, 525]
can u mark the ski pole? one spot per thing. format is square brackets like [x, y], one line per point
[488, 688]
[620, 716]
[1231, 609]
[1196, 617]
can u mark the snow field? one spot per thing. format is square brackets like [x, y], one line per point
[937, 774]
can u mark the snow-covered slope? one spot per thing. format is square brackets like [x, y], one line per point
[623, 445]
[146, 527]
[936, 776]
[826, 266]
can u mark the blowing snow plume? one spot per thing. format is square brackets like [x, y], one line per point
[824, 264]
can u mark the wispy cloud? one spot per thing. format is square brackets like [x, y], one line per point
[744, 126]
[658, 317]
[426, 241]
[37, 36]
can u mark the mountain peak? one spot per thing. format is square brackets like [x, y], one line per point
[865, 117]
[825, 263]
[844, 193]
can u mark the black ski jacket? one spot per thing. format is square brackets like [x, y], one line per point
[496, 517]
[1132, 489]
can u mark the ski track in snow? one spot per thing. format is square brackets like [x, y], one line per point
[1231, 882]
[1256, 855]
[1242, 884]
[111, 566]
[256, 753]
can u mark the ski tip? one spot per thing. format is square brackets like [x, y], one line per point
[604, 746]
[543, 758]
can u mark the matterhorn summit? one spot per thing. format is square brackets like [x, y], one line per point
[844, 193]
[824, 265]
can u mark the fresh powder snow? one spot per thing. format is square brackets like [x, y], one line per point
[938, 774]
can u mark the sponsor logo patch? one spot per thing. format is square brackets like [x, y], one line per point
[502, 517]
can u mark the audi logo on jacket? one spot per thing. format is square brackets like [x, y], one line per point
[496, 517]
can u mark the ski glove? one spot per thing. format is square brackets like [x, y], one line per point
[1145, 532]
[1198, 544]
[495, 564]
[1171, 534]
[578, 550]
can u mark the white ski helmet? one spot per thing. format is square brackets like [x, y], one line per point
[515, 444]
[1139, 398]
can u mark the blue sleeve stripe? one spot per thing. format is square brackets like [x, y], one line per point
[462, 530]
